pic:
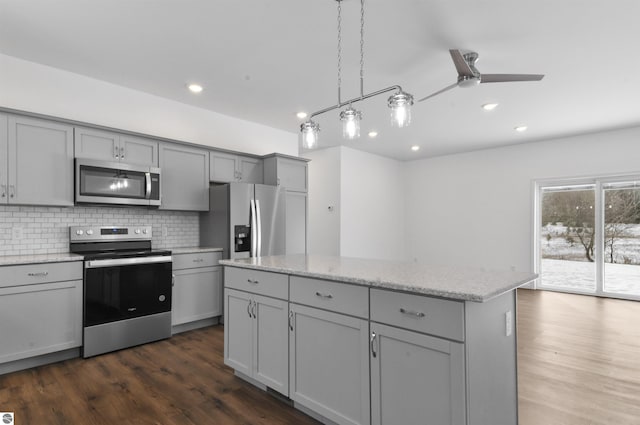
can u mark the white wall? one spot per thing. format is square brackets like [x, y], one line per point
[324, 192]
[41, 89]
[476, 208]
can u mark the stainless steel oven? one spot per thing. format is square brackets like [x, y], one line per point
[127, 287]
[102, 182]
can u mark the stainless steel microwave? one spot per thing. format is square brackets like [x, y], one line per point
[103, 182]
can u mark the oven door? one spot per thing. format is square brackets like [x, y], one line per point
[124, 288]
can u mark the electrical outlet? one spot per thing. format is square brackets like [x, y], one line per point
[165, 231]
[508, 323]
[17, 233]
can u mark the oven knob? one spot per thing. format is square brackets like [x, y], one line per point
[89, 232]
[144, 231]
[137, 231]
[162, 298]
[79, 232]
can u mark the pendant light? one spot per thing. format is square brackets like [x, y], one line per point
[400, 103]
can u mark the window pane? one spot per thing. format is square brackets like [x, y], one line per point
[622, 240]
[567, 238]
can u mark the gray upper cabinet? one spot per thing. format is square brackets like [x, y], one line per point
[226, 168]
[290, 173]
[185, 178]
[110, 146]
[37, 162]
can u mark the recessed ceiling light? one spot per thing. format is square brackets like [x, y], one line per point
[520, 128]
[195, 88]
[415, 148]
[489, 106]
[373, 134]
[301, 115]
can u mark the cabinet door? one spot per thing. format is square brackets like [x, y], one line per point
[196, 295]
[329, 364]
[238, 331]
[97, 144]
[415, 376]
[292, 174]
[185, 178]
[295, 223]
[40, 162]
[40, 319]
[136, 150]
[4, 139]
[271, 343]
[223, 167]
[250, 169]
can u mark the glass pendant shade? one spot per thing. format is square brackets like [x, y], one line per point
[309, 133]
[400, 105]
[350, 123]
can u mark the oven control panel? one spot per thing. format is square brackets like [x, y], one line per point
[109, 233]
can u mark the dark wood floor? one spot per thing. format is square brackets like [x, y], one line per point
[578, 364]
[180, 381]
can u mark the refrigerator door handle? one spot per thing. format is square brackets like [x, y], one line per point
[259, 235]
[254, 228]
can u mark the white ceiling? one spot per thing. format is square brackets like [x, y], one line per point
[264, 60]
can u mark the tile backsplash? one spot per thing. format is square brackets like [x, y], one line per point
[45, 230]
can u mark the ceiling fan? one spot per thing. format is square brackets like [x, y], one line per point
[468, 74]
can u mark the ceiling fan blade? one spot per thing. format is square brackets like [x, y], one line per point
[438, 92]
[505, 78]
[461, 65]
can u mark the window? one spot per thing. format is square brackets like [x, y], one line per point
[588, 236]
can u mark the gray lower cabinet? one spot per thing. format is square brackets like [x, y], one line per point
[185, 178]
[40, 309]
[37, 162]
[110, 146]
[256, 338]
[415, 376]
[329, 364]
[197, 287]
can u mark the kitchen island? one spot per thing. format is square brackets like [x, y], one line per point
[356, 341]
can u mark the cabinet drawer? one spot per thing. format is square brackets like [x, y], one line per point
[29, 274]
[335, 296]
[429, 315]
[274, 285]
[198, 259]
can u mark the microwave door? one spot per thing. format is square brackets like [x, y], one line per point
[97, 184]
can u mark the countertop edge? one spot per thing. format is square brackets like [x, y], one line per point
[385, 284]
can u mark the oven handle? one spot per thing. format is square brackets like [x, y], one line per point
[94, 264]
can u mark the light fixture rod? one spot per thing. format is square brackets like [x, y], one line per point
[355, 99]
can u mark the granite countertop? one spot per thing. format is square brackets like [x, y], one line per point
[12, 260]
[459, 283]
[193, 250]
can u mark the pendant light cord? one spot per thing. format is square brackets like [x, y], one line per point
[361, 49]
[339, 49]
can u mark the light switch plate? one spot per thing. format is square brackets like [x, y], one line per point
[17, 233]
[165, 231]
[508, 322]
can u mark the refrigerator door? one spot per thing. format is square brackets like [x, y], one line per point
[240, 197]
[270, 202]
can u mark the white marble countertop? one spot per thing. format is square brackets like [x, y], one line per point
[459, 283]
[12, 260]
[193, 250]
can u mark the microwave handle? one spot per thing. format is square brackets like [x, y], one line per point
[147, 178]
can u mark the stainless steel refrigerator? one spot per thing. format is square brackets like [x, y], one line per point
[246, 220]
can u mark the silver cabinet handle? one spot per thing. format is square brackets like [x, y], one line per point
[38, 274]
[12, 191]
[249, 308]
[116, 151]
[254, 282]
[412, 313]
[291, 320]
[4, 190]
[278, 181]
[198, 260]
[122, 153]
[254, 309]
[372, 344]
[321, 295]
[173, 279]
